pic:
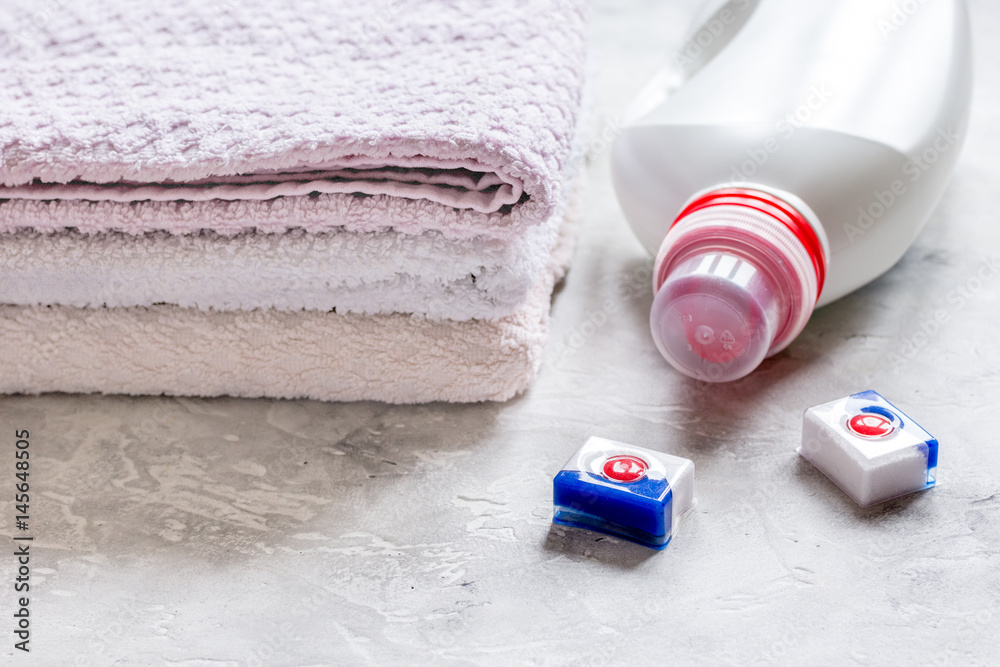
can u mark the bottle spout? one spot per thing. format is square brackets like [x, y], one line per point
[736, 281]
[716, 317]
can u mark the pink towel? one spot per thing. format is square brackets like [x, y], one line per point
[280, 114]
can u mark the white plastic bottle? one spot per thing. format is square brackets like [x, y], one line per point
[792, 156]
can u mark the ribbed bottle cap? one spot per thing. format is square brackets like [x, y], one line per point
[736, 280]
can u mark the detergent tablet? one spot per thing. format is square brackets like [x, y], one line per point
[629, 492]
[869, 448]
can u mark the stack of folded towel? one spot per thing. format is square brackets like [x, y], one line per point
[292, 198]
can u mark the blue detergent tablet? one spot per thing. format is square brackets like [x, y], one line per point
[629, 492]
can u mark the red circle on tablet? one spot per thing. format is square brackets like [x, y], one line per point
[625, 468]
[869, 425]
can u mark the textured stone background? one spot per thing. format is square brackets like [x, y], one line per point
[230, 532]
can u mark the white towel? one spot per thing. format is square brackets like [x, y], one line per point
[377, 272]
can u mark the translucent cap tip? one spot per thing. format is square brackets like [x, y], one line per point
[715, 321]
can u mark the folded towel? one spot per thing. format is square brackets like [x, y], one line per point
[306, 354]
[273, 161]
[370, 272]
[274, 115]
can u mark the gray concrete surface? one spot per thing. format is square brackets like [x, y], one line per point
[234, 532]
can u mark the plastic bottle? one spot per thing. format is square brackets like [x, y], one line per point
[793, 151]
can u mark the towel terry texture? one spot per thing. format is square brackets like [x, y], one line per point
[306, 354]
[309, 198]
[107, 97]
[369, 272]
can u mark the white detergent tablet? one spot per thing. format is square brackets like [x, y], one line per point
[869, 448]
